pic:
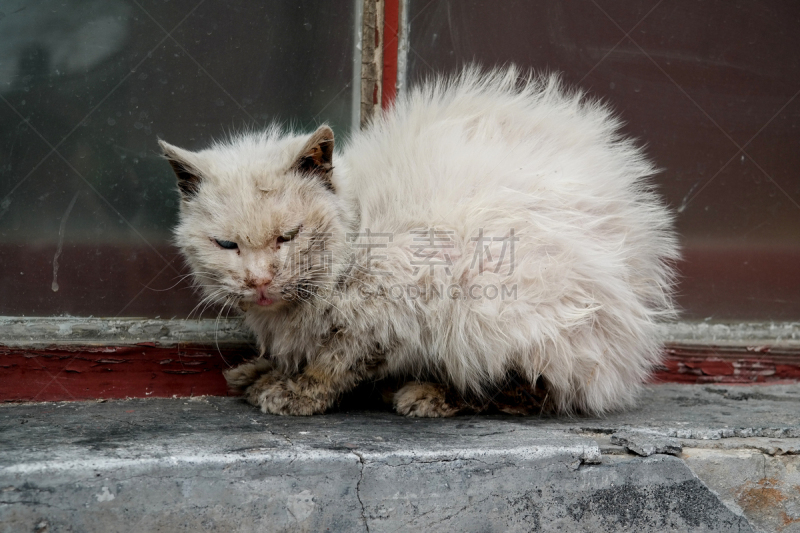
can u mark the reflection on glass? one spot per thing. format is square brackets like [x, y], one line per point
[694, 92]
[87, 87]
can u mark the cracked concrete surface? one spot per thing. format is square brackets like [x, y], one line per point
[646, 443]
[216, 464]
[358, 490]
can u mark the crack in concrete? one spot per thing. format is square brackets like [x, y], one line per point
[489, 434]
[362, 462]
[37, 503]
[698, 433]
[449, 517]
[745, 396]
[444, 519]
[436, 461]
[286, 437]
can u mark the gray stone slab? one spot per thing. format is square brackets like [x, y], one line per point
[216, 464]
[646, 443]
[654, 494]
[764, 488]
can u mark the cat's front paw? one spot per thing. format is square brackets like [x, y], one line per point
[427, 400]
[244, 375]
[277, 394]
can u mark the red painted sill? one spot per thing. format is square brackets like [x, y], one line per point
[146, 370]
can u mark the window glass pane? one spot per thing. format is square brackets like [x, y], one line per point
[87, 87]
[694, 81]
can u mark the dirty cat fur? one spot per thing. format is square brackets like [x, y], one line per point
[487, 225]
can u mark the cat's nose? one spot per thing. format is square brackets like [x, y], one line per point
[262, 282]
[259, 282]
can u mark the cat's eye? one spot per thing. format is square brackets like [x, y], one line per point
[289, 235]
[228, 245]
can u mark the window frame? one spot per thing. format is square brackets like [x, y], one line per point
[79, 358]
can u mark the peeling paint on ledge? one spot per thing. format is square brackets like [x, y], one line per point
[71, 358]
[111, 372]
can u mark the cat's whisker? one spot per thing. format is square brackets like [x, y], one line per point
[208, 300]
[178, 282]
[315, 295]
[230, 300]
[307, 297]
[334, 281]
[201, 302]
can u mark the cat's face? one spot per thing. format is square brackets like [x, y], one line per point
[260, 223]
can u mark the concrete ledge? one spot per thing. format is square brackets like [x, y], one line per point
[84, 358]
[721, 459]
[33, 332]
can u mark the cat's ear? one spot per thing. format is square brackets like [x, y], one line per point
[316, 157]
[181, 162]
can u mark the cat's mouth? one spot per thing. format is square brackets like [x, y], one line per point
[264, 300]
[264, 296]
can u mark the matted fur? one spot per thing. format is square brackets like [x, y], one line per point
[483, 154]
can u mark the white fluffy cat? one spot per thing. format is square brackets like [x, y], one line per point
[486, 225]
